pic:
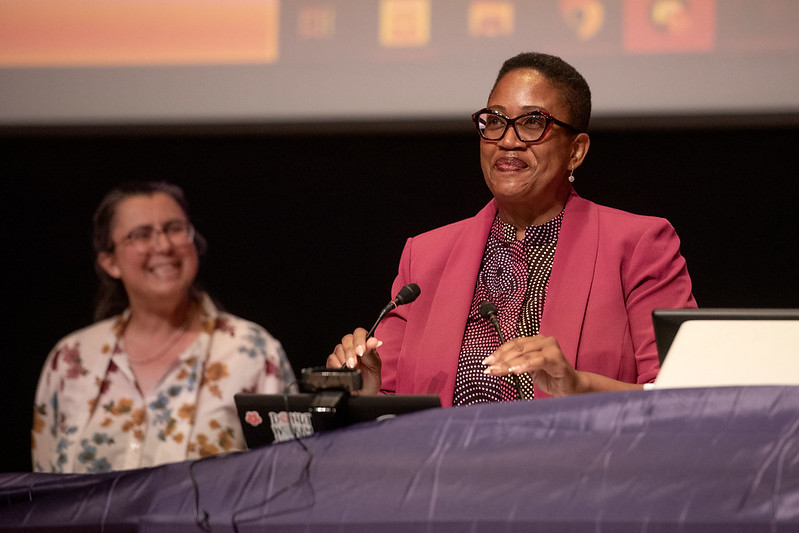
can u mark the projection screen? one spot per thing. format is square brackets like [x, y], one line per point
[90, 62]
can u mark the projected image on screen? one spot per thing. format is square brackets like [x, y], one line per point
[141, 32]
[189, 61]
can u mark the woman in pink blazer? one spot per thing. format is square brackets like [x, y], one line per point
[577, 308]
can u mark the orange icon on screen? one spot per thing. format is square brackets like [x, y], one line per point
[491, 19]
[404, 23]
[671, 16]
[585, 17]
[669, 25]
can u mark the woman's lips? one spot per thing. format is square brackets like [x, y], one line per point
[510, 164]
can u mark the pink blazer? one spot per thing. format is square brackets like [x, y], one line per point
[611, 269]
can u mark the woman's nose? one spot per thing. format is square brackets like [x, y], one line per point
[160, 240]
[510, 139]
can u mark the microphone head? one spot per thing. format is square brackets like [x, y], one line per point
[487, 309]
[407, 294]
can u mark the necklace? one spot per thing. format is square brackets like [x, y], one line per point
[176, 336]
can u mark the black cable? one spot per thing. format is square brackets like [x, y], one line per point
[305, 473]
[201, 516]
[203, 522]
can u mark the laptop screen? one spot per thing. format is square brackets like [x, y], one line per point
[668, 321]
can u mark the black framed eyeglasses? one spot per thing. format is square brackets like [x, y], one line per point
[529, 127]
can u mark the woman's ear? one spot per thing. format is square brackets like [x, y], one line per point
[108, 262]
[580, 146]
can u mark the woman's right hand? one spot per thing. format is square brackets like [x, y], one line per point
[356, 351]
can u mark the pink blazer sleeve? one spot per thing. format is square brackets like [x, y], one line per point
[611, 269]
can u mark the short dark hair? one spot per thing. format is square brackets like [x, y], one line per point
[574, 89]
[112, 298]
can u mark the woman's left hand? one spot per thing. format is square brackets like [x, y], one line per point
[542, 358]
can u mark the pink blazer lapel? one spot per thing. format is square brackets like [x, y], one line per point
[443, 332]
[572, 276]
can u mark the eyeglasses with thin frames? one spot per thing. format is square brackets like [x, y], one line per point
[177, 232]
[529, 127]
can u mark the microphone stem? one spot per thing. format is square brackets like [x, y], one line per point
[406, 295]
[371, 331]
[495, 322]
[516, 381]
[383, 313]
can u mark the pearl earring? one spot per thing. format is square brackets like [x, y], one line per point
[571, 176]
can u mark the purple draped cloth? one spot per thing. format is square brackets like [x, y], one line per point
[690, 460]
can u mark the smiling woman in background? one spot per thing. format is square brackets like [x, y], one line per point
[153, 380]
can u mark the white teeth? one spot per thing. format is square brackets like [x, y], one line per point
[163, 270]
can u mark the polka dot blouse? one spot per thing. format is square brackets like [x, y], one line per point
[514, 276]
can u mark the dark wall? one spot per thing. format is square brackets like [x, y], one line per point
[305, 231]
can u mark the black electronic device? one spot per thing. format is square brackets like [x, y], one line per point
[269, 418]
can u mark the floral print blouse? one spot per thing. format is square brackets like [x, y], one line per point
[89, 415]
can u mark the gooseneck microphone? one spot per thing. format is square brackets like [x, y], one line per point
[406, 295]
[489, 312]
